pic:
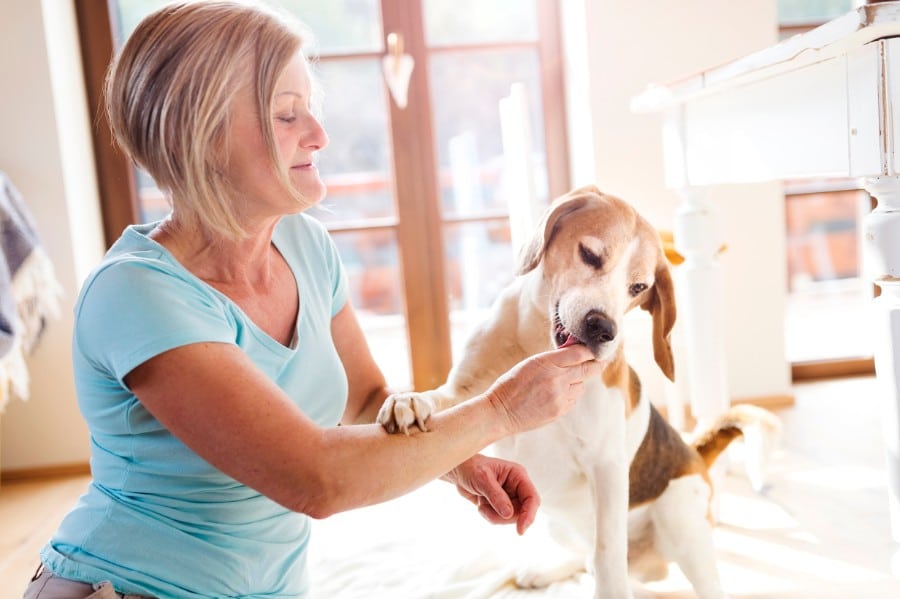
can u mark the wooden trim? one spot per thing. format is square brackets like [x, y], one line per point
[824, 369]
[79, 469]
[556, 141]
[362, 225]
[415, 173]
[419, 233]
[115, 174]
[484, 46]
[770, 402]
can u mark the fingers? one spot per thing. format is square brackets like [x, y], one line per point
[528, 499]
[592, 368]
[570, 355]
[527, 513]
[499, 501]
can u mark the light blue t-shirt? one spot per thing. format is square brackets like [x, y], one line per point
[158, 519]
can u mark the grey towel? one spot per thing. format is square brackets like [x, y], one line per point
[29, 291]
[18, 238]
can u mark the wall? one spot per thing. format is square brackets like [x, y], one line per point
[45, 149]
[631, 45]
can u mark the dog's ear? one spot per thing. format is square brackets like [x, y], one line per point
[533, 251]
[661, 304]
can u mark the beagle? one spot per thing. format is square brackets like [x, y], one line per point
[617, 482]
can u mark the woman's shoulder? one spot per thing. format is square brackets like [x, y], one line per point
[137, 264]
[135, 250]
[303, 226]
[306, 234]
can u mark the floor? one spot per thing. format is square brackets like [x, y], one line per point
[820, 531]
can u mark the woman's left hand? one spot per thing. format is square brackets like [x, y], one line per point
[502, 490]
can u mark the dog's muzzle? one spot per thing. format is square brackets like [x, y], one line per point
[595, 330]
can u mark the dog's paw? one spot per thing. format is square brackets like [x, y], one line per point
[402, 410]
[538, 576]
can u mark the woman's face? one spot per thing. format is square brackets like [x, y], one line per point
[298, 137]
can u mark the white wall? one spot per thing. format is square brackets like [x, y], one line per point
[45, 149]
[633, 44]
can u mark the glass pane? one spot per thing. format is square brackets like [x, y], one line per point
[337, 26]
[811, 11]
[467, 88]
[823, 251]
[356, 163]
[340, 26]
[458, 22]
[126, 14]
[372, 260]
[152, 203]
[479, 264]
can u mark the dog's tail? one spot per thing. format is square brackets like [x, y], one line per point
[761, 431]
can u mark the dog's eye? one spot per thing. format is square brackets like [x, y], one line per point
[637, 289]
[590, 258]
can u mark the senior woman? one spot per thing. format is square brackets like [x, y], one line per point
[216, 352]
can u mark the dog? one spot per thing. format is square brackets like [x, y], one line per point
[616, 480]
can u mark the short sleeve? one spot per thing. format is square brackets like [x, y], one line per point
[133, 310]
[317, 250]
[339, 286]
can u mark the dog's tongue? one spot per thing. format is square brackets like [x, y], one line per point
[571, 340]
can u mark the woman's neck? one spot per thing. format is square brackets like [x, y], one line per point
[216, 258]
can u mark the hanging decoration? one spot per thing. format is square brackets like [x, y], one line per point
[397, 67]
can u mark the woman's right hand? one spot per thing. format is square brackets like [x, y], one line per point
[543, 387]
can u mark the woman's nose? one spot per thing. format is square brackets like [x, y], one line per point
[316, 138]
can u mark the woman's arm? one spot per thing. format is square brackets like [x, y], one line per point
[219, 404]
[367, 387]
[501, 490]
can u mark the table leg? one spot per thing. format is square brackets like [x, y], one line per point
[881, 260]
[701, 304]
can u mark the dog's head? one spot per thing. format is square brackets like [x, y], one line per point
[599, 259]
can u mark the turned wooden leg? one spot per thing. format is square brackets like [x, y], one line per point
[701, 305]
[881, 260]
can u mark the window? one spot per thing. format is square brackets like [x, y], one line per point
[797, 16]
[823, 219]
[415, 192]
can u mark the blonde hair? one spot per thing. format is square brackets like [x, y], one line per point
[169, 91]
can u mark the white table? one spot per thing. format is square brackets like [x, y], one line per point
[822, 104]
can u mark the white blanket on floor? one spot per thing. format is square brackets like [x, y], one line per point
[430, 544]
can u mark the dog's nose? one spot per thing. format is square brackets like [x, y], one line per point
[599, 328]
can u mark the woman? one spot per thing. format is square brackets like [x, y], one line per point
[216, 350]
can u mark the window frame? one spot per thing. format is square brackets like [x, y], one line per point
[419, 222]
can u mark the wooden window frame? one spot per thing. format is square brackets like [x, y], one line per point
[419, 224]
[115, 177]
[813, 370]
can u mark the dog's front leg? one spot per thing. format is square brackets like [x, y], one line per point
[609, 480]
[401, 411]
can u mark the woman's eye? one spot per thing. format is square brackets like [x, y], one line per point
[637, 289]
[286, 118]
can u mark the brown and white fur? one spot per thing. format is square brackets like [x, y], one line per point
[616, 480]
